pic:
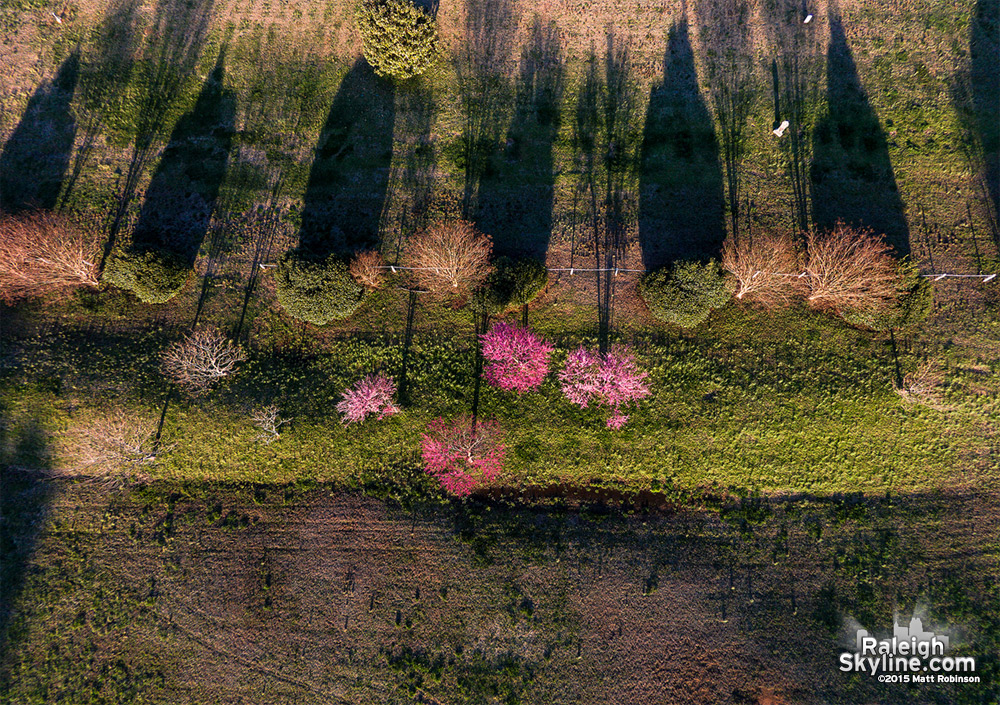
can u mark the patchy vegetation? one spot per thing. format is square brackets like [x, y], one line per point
[211, 591]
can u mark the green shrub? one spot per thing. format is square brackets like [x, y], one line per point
[400, 39]
[153, 275]
[317, 291]
[914, 302]
[684, 293]
[511, 284]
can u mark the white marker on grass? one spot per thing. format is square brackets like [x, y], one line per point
[808, 19]
[781, 128]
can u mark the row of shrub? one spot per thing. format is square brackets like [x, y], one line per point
[847, 271]
[447, 257]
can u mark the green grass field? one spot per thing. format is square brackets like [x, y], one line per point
[739, 405]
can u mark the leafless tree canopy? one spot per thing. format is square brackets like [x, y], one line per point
[268, 422]
[764, 266]
[450, 255]
[366, 268]
[925, 386]
[202, 358]
[849, 268]
[44, 254]
[116, 445]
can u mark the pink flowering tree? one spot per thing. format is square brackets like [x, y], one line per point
[517, 360]
[463, 454]
[371, 396]
[612, 379]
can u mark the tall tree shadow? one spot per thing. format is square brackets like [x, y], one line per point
[515, 197]
[976, 96]
[681, 206]
[852, 177]
[411, 178]
[984, 42]
[354, 148]
[25, 494]
[404, 365]
[107, 64]
[35, 158]
[724, 31]
[177, 33]
[484, 67]
[251, 206]
[795, 73]
[181, 197]
[607, 147]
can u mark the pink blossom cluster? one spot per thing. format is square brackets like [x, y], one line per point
[372, 395]
[613, 379]
[462, 454]
[517, 359]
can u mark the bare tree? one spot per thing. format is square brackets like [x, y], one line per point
[925, 385]
[44, 254]
[115, 446]
[266, 419]
[450, 254]
[849, 268]
[368, 269]
[765, 267]
[202, 358]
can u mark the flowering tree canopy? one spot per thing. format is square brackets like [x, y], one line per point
[517, 360]
[613, 379]
[463, 454]
[371, 395]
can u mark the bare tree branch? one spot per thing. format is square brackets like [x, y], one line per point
[267, 420]
[849, 268]
[115, 447]
[762, 266]
[367, 269]
[44, 254]
[202, 358]
[451, 254]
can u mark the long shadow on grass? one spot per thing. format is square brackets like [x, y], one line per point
[795, 71]
[607, 147]
[178, 31]
[976, 95]
[724, 30]
[404, 366]
[681, 204]
[852, 177]
[35, 157]
[182, 193]
[25, 494]
[515, 198]
[108, 61]
[984, 41]
[484, 67]
[411, 180]
[349, 175]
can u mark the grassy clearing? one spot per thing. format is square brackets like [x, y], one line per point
[739, 405]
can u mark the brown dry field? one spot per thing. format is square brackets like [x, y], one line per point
[209, 595]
